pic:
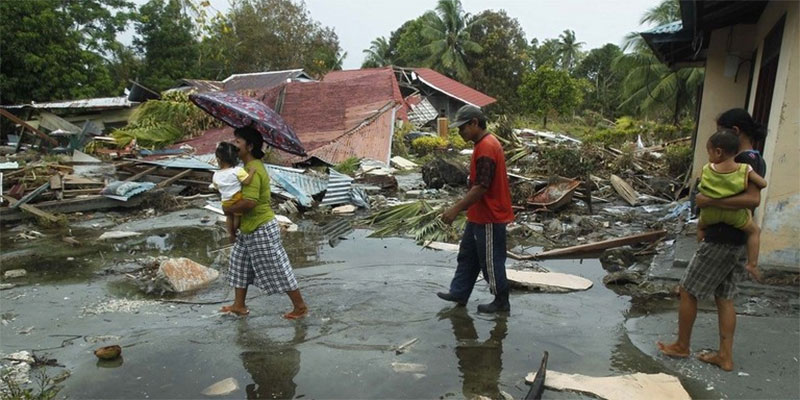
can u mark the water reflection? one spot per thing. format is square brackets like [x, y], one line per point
[272, 365]
[479, 362]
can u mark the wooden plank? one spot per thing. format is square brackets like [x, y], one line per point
[27, 208]
[93, 203]
[55, 182]
[72, 180]
[141, 174]
[39, 133]
[590, 248]
[32, 195]
[173, 179]
[623, 387]
[547, 281]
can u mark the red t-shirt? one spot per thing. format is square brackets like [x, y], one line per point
[488, 169]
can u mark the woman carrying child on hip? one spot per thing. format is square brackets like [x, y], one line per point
[228, 180]
[723, 177]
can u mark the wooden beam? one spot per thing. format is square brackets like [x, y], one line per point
[32, 195]
[141, 174]
[39, 133]
[591, 248]
[173, 179]
[30, 210]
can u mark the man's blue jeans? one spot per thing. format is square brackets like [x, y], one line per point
[482, 249]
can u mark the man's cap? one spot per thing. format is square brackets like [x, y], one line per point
[467, 113]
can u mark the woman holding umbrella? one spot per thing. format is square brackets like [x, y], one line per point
[258, 256]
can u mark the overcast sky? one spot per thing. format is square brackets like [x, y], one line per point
[358, 22]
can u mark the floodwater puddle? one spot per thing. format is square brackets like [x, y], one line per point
[367, 296]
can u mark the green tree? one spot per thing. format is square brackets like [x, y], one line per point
[650, 87]
[546, 91]
[407, 44]
[168, 43]
[54, 49]
[268, 35]
[378, 54]
[605, 83]
[569, 49]
[547, 53]
[447, 29]
[499, 68]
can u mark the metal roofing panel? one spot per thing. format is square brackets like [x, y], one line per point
[181, 163]
[338, 189]
[671, 27]
[263, 80]
[100, 102]
[453, 88]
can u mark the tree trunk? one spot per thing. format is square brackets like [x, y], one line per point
[545, 120]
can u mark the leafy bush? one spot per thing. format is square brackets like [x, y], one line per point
[567, 161]
[625, 161]
[679, 159]
[399, 147]
[428, 144]
[348, 166]
[626, 129]
[457, 142]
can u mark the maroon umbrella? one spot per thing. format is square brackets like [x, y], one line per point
[240, 111]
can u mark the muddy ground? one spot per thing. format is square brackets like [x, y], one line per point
[367, 296]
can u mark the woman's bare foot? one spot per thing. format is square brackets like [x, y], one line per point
[673, 350]
[240, 311]
[297, 313]
[712, 357]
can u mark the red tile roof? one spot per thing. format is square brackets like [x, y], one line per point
[453, 88]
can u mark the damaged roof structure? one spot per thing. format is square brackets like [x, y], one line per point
[255, 80]
[350, 113]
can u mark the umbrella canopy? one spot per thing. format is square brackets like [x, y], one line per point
[240, 111]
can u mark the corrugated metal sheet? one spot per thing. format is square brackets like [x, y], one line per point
[671, 27]
[264, 80]
[182, 163]
[421, 113]
[338, 189]
[453, 88]
[299, 185]
[97, 103]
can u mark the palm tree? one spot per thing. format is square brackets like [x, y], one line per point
[569, 49]
[378, 54]
[650, 86]
[447, 28]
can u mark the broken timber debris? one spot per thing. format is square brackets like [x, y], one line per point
[591, 248]
[624, 387]
[547, 281]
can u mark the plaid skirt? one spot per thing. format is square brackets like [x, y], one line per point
[715, 269]
[258, 258]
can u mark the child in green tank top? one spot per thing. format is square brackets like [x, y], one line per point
[724, 177]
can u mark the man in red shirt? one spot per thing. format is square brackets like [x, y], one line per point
[488, 205]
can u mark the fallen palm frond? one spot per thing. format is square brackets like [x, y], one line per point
[158, 123]
[418, 219]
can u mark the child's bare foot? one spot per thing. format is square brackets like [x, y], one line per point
[712, 357]
[296, 313]
[752, 269]
[673, 350]
[240, 311]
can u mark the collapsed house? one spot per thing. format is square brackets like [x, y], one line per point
[751, 59]
[348, 113]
